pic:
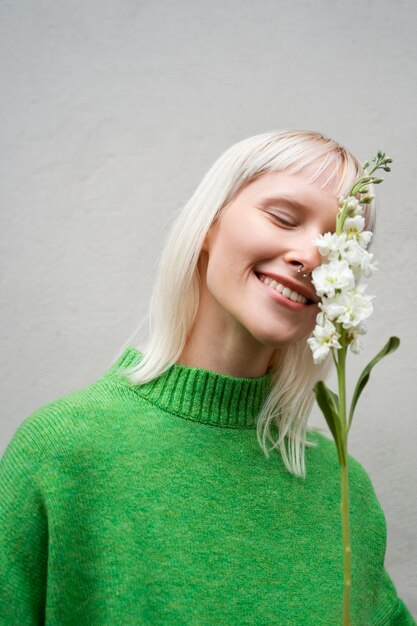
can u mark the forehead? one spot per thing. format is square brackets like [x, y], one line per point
[307, 185]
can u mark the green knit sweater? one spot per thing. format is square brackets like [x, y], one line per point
[154, 505]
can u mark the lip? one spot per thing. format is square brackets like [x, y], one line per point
[280, 299]
[293, 285]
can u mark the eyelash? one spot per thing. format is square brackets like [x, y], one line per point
[283, 221]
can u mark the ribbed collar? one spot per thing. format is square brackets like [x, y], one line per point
[200, 395]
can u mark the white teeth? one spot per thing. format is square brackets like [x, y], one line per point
[288, 293]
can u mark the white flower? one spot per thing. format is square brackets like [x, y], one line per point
[348, 308]
[321, 318]
[331, 245]
[323, 339]
[354, 253]
[355, 345]
[364, 238]
[333, 307]
[367, 267]
[353, 338]
[353, 226]
[344, 304]
[329, 277]
[353, 206]
[359, 259]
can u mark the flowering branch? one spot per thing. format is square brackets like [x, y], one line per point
[344, 307]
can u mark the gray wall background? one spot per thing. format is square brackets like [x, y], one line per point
[112, 111]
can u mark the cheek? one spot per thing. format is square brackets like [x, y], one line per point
[311, 315]
[228, 258]
[219, 272]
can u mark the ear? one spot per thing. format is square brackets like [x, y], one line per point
[206, 242]
[209, 233]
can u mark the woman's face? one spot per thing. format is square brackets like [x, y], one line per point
[267, 230]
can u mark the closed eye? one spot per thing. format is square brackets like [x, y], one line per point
[283, 221]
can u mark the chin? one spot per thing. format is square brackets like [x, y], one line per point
[280, 332]
[280, 340]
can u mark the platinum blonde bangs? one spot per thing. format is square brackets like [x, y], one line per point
[175, 296]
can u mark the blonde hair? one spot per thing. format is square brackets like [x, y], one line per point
[175, 297]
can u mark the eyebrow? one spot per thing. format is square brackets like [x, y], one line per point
[291, 202]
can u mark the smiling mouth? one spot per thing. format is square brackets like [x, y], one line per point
[288, 293]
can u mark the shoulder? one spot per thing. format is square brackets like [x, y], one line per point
[76, 423]
[53, 430]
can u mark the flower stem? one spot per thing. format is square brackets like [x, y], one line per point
[344, 506]
[346, 545]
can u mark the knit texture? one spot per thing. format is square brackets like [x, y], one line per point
[155, 505]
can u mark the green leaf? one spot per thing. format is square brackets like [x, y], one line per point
[328, 402]
[391, 345]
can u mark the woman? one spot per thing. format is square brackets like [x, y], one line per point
[151, 496]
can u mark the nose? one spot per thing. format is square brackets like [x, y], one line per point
[305, 256]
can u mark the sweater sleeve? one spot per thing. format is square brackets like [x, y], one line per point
[390, 610]
[23, 532]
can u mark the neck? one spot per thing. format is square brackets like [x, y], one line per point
[215, 345]
[224, 359]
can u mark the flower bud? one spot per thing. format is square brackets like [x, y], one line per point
[352, 203]
[367, 199]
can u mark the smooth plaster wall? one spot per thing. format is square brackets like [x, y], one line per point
[112, 111]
